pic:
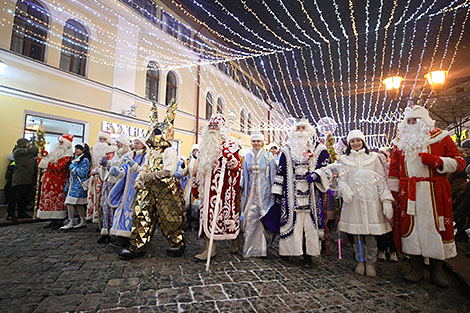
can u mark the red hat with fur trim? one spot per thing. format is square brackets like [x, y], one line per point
[68, 137]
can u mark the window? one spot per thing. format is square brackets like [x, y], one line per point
[151, 83]
[147, 8]
[242, 121]
[209, 105]
[74, 48]
[185, 34]
[249, 124]
[171, 87]
[169, 25]
[54, 129]
[220, 106]
[30, 28]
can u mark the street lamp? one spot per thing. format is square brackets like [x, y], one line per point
[436, 78]
[392, 84]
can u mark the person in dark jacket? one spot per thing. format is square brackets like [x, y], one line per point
[23, 178]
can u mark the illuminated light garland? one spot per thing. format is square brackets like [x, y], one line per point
[293, 85]
[421, 57]
[266, 26]
[285, 86]
[448, 39]
[356, 58]
[310, 86]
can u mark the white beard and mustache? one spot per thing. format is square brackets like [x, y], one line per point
[299, 142]
[209, 153]
[99, 151]
[414, 138]
[59, 151]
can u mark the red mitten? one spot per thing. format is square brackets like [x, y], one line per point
[226, 152]
[431, 160]
[44, 153]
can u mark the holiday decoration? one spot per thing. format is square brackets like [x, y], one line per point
[40, 143]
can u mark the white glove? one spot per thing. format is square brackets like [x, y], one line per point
[388, 210]
[139, 182]
[162, 173]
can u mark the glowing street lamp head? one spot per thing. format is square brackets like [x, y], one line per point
[436, 77]
[392, 82]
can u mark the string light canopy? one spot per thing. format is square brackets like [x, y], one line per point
[318, 58]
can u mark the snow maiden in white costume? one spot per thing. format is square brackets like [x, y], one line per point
[259, 170]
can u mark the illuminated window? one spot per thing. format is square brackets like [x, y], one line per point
[74, 48]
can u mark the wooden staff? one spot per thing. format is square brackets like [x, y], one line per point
[40, 143]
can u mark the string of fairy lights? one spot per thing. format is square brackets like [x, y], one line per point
[318, 59]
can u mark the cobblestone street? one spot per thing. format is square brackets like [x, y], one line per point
[54, 271]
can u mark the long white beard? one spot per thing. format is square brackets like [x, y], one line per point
[58, 152]
[299, 142]
[209, 153]
[414, 138]
[99, 151]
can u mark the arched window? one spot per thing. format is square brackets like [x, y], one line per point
[220, 106]
[209, 105]
[30, 28]
[152, 80]
[171, 87]
[249, 123]
[242, 121]
[74, 48]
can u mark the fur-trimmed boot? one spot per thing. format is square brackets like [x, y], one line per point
[437, 273]
[203, 256]
[417, 269]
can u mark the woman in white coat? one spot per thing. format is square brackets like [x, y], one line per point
[360, 217]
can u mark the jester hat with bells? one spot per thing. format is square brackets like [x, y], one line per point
[161, 134]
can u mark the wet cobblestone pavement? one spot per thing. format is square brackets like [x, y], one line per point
[42, 270]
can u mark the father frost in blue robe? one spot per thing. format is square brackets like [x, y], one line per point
[299, 191]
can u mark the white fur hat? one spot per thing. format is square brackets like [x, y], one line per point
[195, 146]
[257, 136]
[123, 139]
[356, 133]
[272, 144]
[106, 135]
[143, 141]
[416, 111]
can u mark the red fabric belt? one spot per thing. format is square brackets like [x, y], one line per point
[412, 184]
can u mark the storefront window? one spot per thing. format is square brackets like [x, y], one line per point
[54, 129]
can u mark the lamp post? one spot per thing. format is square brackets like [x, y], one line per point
[393, 84]
[436, 79]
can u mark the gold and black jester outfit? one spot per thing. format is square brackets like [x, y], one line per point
[159, 196]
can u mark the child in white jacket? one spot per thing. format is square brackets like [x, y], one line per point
[363, 218]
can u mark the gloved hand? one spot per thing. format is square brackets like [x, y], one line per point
[162, 173]
[312, 177]
[226, 153]
[114, 171]
[347, 194]
[44, 153]
[129, 161]
[104, 162]
[431, 160]
[43, 164]
[388, 210]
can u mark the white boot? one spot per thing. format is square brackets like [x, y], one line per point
[393, 257]
[382, 256]
[69, 225]
[81, 224]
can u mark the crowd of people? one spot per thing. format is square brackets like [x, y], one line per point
[130, 189]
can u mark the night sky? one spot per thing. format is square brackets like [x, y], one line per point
[321, 62]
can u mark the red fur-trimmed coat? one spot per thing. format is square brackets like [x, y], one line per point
[228, 218]
[425, 222]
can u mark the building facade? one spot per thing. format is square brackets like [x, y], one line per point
[81, 67]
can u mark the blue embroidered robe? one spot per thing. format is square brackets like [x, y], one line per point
[122, 198]
[79, 172]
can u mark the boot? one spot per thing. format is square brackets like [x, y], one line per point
[103, 239]
[382, 256]
[393, 257]
[235, 245]
[23, 214]
[417, 269]
[11, 217]
[360, 268]
[437, 274]
[203, 256]
[67, 226]
[370, 270]
[127, 254]
[81, 224]
[175, 251]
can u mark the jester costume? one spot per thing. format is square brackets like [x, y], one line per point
[159, 196]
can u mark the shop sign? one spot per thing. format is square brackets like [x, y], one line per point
[117, 129]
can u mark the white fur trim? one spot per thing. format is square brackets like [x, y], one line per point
[449, 166]
[442, 226]
[393, 184]
[439, 137]
[52, 214]
[257, 136]
[43, 163]
[104, 232]
[411, 207]
[416, 111]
